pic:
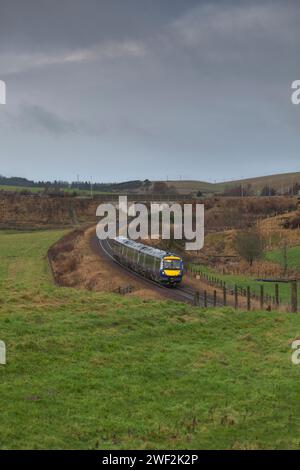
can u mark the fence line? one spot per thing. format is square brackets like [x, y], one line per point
[264, 300]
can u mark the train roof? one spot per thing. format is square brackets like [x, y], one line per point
[143, 248]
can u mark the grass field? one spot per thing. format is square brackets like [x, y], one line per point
[18, 189]
[293, 257]
[87, 370]
[35, 190]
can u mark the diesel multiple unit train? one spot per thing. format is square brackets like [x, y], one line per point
[153, 263]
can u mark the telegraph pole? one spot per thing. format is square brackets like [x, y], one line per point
[91, 187]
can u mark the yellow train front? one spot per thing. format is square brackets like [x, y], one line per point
[171, 271]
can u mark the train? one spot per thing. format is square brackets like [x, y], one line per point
[158, 265]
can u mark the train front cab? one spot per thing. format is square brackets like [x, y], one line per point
[171, 269]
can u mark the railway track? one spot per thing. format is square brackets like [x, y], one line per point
[180, 293]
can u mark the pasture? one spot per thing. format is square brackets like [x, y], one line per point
[293, 257]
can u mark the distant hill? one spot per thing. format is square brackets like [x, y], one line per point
[191, 186]
[280, 182]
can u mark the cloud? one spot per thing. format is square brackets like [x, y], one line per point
[37, 119]
[236, 31]
[30, 117]
[112, 50]
[205, 85]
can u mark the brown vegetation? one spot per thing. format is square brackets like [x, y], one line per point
[227, 213]
[36, 211]
[76, 264]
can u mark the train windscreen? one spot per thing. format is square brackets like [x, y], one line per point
[171, 263]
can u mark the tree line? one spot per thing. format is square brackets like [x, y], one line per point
[74, 185]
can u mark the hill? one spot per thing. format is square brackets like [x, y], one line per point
[280, 182]
[190, 186]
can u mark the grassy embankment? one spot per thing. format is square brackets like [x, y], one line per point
[87, 370]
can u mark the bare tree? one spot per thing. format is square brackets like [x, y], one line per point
[249, 245]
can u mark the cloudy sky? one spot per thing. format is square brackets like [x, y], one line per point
[135, 89]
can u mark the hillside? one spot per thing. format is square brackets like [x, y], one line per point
[190, 186]
[280, 182]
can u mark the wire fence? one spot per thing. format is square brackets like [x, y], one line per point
[261, 299]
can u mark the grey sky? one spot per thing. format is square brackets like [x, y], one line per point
[127, 89]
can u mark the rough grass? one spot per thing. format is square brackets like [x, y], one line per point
[87, 370]
[293, 257]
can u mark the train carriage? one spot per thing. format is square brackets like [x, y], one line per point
[153, 263]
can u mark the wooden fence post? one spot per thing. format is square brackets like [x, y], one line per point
[277, 295]
[224, 295]
[205, 299]
[196, 297]
[236, 301]
[248, 299]
[261, 296]
[215, 298]
[294, 297]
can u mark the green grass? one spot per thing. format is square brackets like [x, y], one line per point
[93, 371]
[293, 257]
[17, 189]
[34, 189]
[244, 281]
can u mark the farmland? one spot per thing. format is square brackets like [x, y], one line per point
[37, 190]
[94, 370]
